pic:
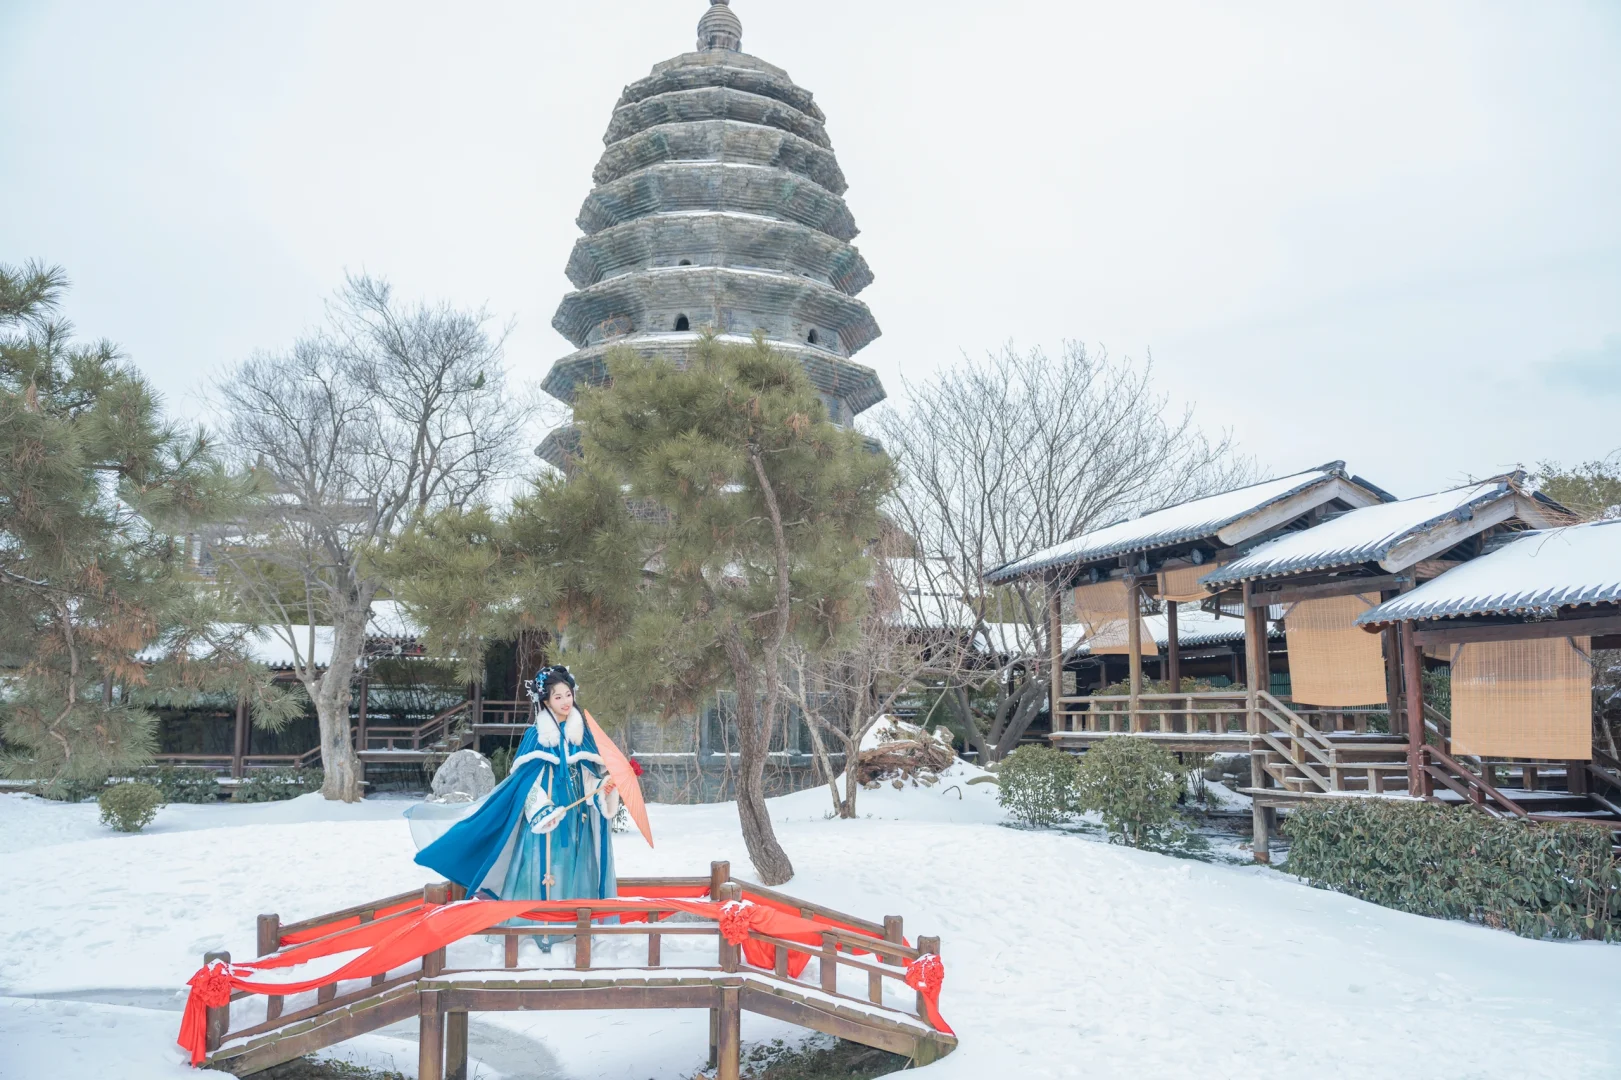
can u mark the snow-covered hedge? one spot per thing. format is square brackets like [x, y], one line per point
[1557, 880]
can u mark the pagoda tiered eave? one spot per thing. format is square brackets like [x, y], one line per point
[718, 238]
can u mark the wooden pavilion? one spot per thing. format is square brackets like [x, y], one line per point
[1349, 717]
[1519, 628]
[1114, 570]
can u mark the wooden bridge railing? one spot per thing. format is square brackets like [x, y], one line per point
[876, 950]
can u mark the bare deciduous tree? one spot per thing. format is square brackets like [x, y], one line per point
[1003, 457]
[905, 638]
[387, 414]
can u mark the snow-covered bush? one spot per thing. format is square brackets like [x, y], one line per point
[1037, 784]
[1135, 786]
[130, 807]
[183, 785]
[1542, 879]
[274, 785]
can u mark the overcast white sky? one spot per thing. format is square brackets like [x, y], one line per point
[1384, 232]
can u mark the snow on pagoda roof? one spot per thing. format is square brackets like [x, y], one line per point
[1229, 518]
[1395, 535]
[1536, 574]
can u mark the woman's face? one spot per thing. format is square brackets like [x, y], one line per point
[560, 701]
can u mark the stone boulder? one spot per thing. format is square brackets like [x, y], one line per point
[465, 776]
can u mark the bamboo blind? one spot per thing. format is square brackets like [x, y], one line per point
[1102, 610]
[1182, 583]
[1332, 661]
[1523, 699]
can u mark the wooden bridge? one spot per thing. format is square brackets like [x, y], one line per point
[670, 961]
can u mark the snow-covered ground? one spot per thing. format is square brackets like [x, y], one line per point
[1065, 956]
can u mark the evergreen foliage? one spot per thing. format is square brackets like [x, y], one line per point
[1037, 785]
[276, 785]
[714, 516]
[182, 785]
[1556, 880]
[1591, 490]
[130, 807]
[100, 612]
[1135, 786]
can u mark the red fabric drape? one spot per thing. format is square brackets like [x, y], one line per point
[925, 975]
[424, 928]
[393, 944]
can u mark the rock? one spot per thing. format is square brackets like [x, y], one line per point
[466, 772]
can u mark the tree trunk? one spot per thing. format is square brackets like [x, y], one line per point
[1027, 702]
[754, 744]
[338, 759]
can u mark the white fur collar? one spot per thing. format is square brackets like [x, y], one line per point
[546, 732]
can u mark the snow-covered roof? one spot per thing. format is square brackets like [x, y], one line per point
[1395, 535]
[1222, 517]
[1537, 573]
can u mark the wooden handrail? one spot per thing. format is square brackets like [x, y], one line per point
[1478, 791]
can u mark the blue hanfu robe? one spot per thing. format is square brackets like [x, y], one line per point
[494, 850]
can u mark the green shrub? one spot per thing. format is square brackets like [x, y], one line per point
[1558, 880]
[183, 785]
[501, 762]
[1037, 784]
[65, 790]
[1135, 786]
[274, 785]
[129, 807]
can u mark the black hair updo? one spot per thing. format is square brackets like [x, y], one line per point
[549, 677]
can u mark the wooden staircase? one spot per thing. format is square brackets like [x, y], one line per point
[1302, 760]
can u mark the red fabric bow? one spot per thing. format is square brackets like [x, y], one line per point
[925, 975]
[736, 918]
[210, 989]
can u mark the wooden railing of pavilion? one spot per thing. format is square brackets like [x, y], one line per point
[441, 996]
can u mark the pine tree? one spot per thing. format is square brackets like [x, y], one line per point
[753, 514]
[713, 518]
[99, 614]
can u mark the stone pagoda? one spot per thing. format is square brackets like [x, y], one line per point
[718, 207]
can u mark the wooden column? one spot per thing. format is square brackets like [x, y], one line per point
[1413, 676]
[431, 1041]
[1254, 671]
[239, 741]
[1254, 651]
[1173, 650]
[1055, 654]
[1393, 695]
[1134, 644]
[456, 1045]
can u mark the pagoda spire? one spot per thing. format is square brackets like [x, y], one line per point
[720, 28]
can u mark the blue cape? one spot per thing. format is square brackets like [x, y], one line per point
[471, 848]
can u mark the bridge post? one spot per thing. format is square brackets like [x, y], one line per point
[456, 1045]
[269, 942]
[729, 1067]
[894, 930]
[926, 946]
[431, 1042]
[219, 1019]
[729, 953]
[720, 872]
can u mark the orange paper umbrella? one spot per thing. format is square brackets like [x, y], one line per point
[623, 775]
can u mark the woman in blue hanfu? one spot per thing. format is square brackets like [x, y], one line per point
[544, 832]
